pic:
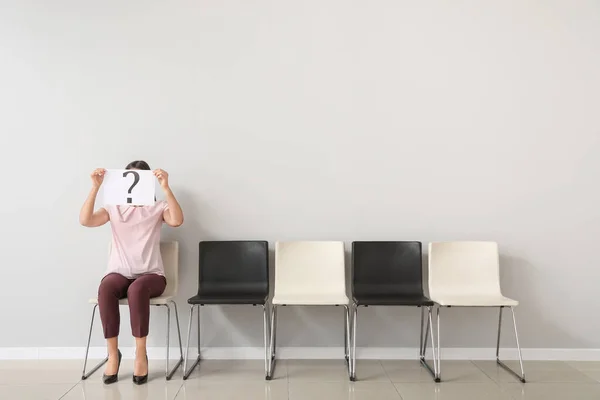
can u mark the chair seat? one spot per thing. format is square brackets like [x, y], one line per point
[155, 301]
[482, 300]
[228, 299]
[392, 300]
[311, 300]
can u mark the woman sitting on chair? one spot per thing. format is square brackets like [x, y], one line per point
[135, 268]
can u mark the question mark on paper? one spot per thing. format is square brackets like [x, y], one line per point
[136, 179]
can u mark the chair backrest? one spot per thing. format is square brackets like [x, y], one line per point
[463, 269]
[234, 267]
[387, 268]
[309, 268]
[169, 252]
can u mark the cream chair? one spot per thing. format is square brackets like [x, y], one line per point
[170, 256]
[466, 274]
[309, 274]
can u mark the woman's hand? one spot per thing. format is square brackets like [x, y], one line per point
[98, 177]
[163, 178]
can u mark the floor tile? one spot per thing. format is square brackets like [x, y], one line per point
[595, 375]
[330, 370]
[451, 391]
[535, 372]
[306, 379]
[125, 390]
[553, 391]
[370, 371]
[585, 365]
[406, 371]
[531, 365]
[462, 371]
[343, 391]
[34, 391]
[209, 390]
[236, 370]
[17, 372]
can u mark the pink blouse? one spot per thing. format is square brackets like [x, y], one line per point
[135, 249]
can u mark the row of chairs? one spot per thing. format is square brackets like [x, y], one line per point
[463, 274]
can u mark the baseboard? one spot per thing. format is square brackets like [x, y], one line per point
[257, 353]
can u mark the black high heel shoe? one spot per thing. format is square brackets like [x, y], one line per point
[140, 380]
[108, 379]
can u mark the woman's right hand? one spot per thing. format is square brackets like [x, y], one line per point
[98, 177]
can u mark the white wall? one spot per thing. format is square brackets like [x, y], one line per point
[329, 119]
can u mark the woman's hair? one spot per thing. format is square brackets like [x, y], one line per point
[139, 164]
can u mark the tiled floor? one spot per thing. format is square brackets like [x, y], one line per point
[306, 379]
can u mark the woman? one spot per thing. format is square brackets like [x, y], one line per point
[135, 268]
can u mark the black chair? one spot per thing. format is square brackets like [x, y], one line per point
[390, 274]
[231, 272]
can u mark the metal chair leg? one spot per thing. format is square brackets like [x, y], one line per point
[84, 376]
[267, 334]
[421, 347]
[168, 337]
[439, 359]
[186, 371]
[274, 334]
[434, 349]
[347, 335]
[169, 374]
[423, 344]
[178, 332]
[353, 339]
[347, 339]
[522, 376]
[199, 353]
[272, 341]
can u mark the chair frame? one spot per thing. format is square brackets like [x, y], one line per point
[168, 373]
[188, 372]
[348, 350]
[422, 341]
[498, 360]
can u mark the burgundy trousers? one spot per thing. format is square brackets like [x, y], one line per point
[138, 293]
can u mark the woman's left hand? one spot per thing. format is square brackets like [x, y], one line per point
[163, 178]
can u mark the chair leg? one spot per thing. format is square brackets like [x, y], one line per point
[84, 376]
[347, 339]
[274, 331]
[439, 349]
[169, 374]
[423, 344]
[186, 371]
[272, 341]
[168, 342]
[198, 312]
[353, 340]
[522, 376]
[267, 335]
[178, 332]
[347, 335]
[421, 341]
